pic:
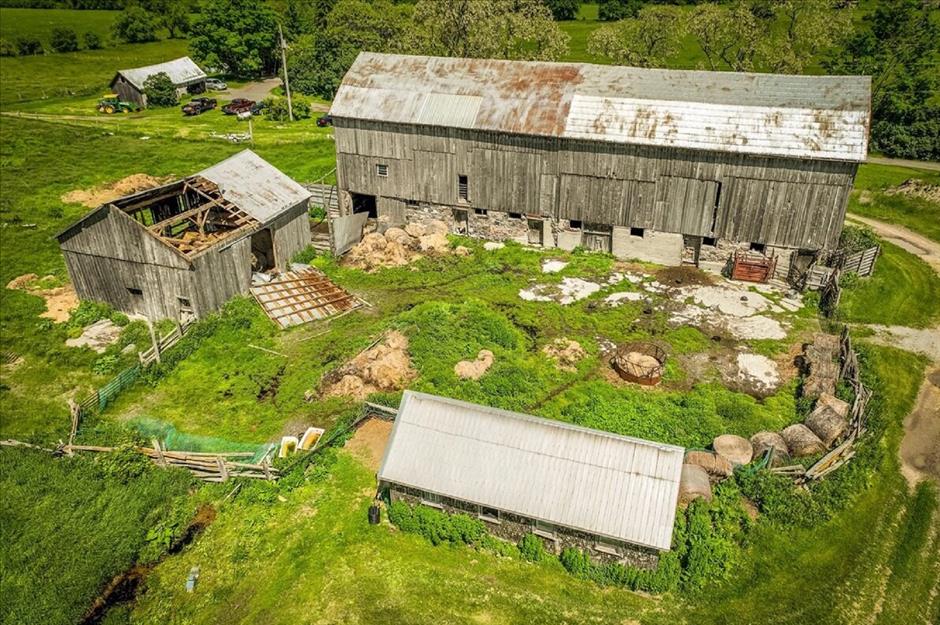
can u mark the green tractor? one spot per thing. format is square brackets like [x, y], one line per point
[112, 103]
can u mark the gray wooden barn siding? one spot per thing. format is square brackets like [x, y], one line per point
[128, 92]
[771, 200]
[291, 234]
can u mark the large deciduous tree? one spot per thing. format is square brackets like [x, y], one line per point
[898, 45]
[805, 28]
[647, 40]
[135, 25]
[238, 36]
[616, 10]
[730, 37]
[563, 9]
[503, 29]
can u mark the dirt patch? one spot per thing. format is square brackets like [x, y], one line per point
[60, 300]
[920, 453]
[368, 443]
[683, 275]
[758, 373]
[385, 366]
[102, 194]
[474, 369]
[565, 352]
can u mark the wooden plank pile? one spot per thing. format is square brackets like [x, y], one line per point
[297, 297]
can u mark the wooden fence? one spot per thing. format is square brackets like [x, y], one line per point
[820, 272]
[166, 342]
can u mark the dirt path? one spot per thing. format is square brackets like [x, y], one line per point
[900, 162]
[257, 90]
[917, 244]
[920, 448]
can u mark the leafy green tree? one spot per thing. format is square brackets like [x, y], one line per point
[135, 25]
[898, 45]
[176, 20]
[563, 9]
[238, 36]
[28, 46]
[502, 29]
[275, 109]
[160, 91]
[63, 40]
[809, 27]
[616, 10]
[92, 41]
[730, 37]
[644, 41]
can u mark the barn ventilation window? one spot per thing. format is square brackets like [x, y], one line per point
[515, 215]
[431, 499]
[463, 189]
[710, 241]
[381, 170]
[482, 212]
[411, 203]
[606, 548]
[575, 223]
[546, 530]
[757, 247]
[134, 290]
[637, 232]
[489, 514]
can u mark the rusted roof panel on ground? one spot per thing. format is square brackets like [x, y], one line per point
[605, 484]
[303, 296]
[824, 117]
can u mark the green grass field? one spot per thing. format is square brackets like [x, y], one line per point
[39, 23]
[871, 200]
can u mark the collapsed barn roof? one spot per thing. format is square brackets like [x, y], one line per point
[822, 117]
[608, 485]
[182, 71]
[219, 204]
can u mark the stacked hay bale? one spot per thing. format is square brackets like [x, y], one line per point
[400, 246]
[718, 467]
[736, 449]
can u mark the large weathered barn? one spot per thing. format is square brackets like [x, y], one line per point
[187, 247]
[185, 74]
[654, 164]
[611, 495]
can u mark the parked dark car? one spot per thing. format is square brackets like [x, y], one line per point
[325, 120]
[238, 105]
[197, 106]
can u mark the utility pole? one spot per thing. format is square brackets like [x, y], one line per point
[290, 107]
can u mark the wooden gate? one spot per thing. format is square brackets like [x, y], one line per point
[753, 267]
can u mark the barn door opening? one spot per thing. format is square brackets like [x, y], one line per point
[262, 251]
[365, 204]
[536, 231]
[461, 221]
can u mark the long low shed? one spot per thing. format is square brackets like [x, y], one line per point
[612, 495]
[621, 159]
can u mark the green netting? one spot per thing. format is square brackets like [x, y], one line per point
[173, 439]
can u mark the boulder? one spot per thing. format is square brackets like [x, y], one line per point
[801, 441]
[736, 449]
[493, 245]
[97, 336]
[694, 484]
[717, 467]
[762, 441]
[460, 250]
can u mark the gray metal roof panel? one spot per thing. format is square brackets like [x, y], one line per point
[255, 186]
[824, 117]
[610, 485]
[181, 71]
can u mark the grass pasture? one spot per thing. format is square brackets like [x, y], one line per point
[39, 23]
[871, 200]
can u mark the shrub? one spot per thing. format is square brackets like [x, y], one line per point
[135, 25]
[28, 46]
[616, 10]
[7, 48]
[160, 91]
[276, 109]
[532, 548]
[105, 365]
[436, 526]
[92, 41]
[64, 40]
[855, 239]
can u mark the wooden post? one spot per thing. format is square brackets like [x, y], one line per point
[223, 471]
[290, 106]
[153, 339]
[161, 460]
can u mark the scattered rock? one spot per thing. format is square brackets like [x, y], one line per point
[801, 441]
[694, 484]
[735, 448]
[762, 441]
[715, 465]
[493, 245]
[915, 187]
[460, 250]
[565, 352]
[758, 372]
[474, 369]
[615, 299]
[383, 367]
[553, 266]
[102, 194]
[97, 336]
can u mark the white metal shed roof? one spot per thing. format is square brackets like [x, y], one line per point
[255, 185]
[613, 486]
[821, 117]
[182, 71]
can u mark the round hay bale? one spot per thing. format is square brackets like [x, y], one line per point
[762, 441]
[736, 449]
[694, 484]
[716, 466]
[801, 441]
[826, 423]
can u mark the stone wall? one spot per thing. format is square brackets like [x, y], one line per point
[512, 528]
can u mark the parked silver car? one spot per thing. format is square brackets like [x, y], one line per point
[215, 84]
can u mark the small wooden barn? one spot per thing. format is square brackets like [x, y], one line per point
[187, 247]
[185, 74]
[612, 496]
[661, 165]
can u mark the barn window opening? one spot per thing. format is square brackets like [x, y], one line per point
[134, 291]
[606, 548]
[381, 170]
[364, 204]
[717, 204]
[184, 302]
[489, 514]
[411, 203]
[637, 232]
[543, 529]
[710, 241]
[575, 223]
[515, 215]
[482, 212]
[758, 247]
[431, 499]
[463, 189]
